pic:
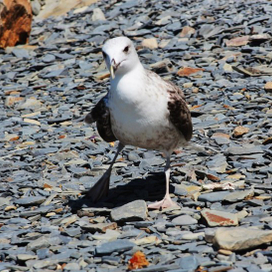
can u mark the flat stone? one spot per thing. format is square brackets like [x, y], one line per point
[49, 58]
[115, 246]
[240, 131]
[186, 189]
[73, 232]
[163, 21]
[225, 252]
[36, 7]
[101, 227]
[188, 71]
[184, 220]
[268, 86]
[133, 211]
[187, 31]
[43, 253]
[150, 43]
[193, 236]
[238, 195]
[25, 257]
[109, 235]
[4, 201]
[147, 240]
[39, 243]
[236, 239]
[40, 264]
[228, 68]
[53, 8]
[30, 201]
[219, 162]
[213, 196]
[246, 150]
[11, 100]
[188, 263]
[159, 268]
[72, 266]
[221, 138]
[239, 41]
[98, 15]
[112, 260]
[31, 103]
[219, 218]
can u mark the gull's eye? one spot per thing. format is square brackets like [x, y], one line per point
[126, 49]
[104, 55]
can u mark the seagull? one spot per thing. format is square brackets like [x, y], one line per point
[140, 109]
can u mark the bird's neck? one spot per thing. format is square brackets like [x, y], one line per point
[128, 89]
[126, 80]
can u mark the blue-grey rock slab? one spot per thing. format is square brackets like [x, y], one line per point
[189, 263]
[132, 211]
[213, 196]
[115, 246]
[184, 220]
[236, 239]
[29, 201]
[159, 268]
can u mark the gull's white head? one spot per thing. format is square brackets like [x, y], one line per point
[120, 56]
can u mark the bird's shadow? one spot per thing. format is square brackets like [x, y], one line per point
[152, 188]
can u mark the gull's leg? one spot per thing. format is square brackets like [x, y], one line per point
[166, 202]
[101, 187]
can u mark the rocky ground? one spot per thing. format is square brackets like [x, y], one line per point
[220, 53]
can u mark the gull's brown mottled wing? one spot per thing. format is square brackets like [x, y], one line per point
[179, 114]
[101, 115]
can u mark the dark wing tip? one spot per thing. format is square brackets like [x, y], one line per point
[101, 115]
[180, 115]
[188, 129]
[89, 118]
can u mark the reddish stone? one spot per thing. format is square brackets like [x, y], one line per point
[268, 86]
[186, 71]
[187, 31]
[15, 22]
[239, 41]
[219, 218]
[240, 131]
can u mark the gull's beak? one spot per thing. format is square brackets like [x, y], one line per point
[112, 68]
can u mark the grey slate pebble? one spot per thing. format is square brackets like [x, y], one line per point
[213, 196]
[133, 211]
[115, 246]
[188, 263]
[184, 220]
[29, 201]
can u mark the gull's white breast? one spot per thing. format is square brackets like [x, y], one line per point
[138, 106]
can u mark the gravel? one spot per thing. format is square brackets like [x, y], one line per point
[219, 53]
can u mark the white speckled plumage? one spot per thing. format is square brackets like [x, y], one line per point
[138, 102]
[145, 110]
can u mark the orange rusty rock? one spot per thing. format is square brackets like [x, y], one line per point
[240, 131]
[268, 86]
[218, 219]
[186, 71]
[11, 100]
[15, 138]
[212, 177]
[220, 134]
[15, 22]
[137, 261]
[187, 31]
